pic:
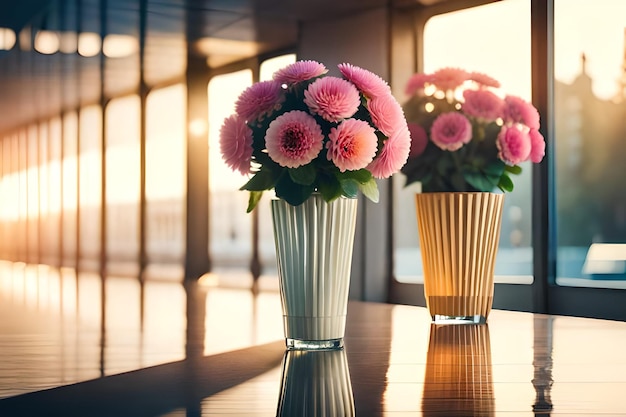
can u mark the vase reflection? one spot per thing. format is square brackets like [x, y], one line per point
[315, 383]
[542, 365]
[458, 372]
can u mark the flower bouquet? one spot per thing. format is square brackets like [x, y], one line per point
[465, 137]
[304, 132]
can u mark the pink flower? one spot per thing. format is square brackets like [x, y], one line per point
[367, 82]
[332, 98]
[449, 78]
[299, 71]
[484, 80]
[537, 146]
[419, 140]
[236, 144]
[352, 145]
[386, 113]
[393, 156]
[514, 144]
[450, 131]
[259, 100]
[517, 110]
[416, 83]
[293, 139]
[482, 104]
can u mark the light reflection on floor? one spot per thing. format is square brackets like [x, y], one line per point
[59, 327]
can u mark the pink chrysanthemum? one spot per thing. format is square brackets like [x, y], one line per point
[393, 156]
[419, 140]
[352, 145]
[236, 144]
[293, 139]
[537, 146]
[482, 104]
[514, 144]
[450, 131]
[332, 98]
[484, 80]
[259, 100]
[449, 78]
[517, 110]
[299, 71]
[386, 114]
[367, 82]
[416, 83]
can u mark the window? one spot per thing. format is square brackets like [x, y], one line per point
[69, 199]
[505, 57]
[230, 242]
[122, 192]
[231, 227]
[590, 103]
[90, 184]
[165, 174]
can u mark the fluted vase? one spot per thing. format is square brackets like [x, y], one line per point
[314, 244]
[459, 235]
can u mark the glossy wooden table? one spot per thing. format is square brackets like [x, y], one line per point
[81, 345]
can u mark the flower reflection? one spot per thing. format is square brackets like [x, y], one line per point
[458, 371]
[315, 383]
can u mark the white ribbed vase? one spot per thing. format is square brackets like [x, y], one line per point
[459, 235]
[314, 243]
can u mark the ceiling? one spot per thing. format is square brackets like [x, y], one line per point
[220, 31]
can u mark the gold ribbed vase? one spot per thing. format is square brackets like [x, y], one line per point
[459, 235]
[314, 244]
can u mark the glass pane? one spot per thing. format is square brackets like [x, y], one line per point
[122, 192]
[9, 195]
[165, 174]
[32, 192]
[70, 187]
[52, 221]
[505, 57]
[22, 230]
[90, 185]
[42, 162]
[590, 98]
[230, 242]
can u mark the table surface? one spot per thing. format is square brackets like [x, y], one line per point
[82, 345]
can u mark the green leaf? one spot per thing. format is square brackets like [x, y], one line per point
[370, 190]
[293, 193]
[480, 181]
[361, 175]
[262, 180]
[515, 169]
[349, 187]
[329, 187]
[253, 200]
[495, 168]
[505, 183]
[304, 175]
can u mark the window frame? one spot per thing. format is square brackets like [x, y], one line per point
[543, 295]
